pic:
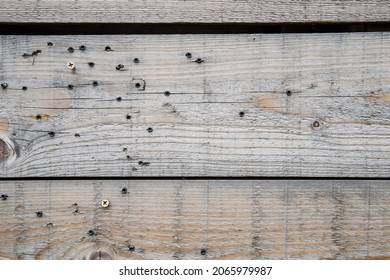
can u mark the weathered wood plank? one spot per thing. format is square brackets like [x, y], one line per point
[194, 11]
[290, 219]
[258, 105]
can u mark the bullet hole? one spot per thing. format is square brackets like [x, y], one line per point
[91, 232]
[70, 87]
[82, 48]
[119, 99]
[288, 92]
[128, 117]
[119, 67]
[124, 190]
[107, 49]
[143, 163]
[136, 60]
[188, 55]
[167, 93]
[38, 117]
[39, 213]
[150, 130]
[199, 60]
[49, 44]
[241, 114]
[76, 135]
[4, 197]
[95, 83]
[128, 157]
[4, 85]
[316, 124]
[124, 149]
[49, 225]
[70, 49]
[137, 85]
[51, 134]
[24, 88]
[131, 248]
[91, 64]
[134, 169]
[203, 252]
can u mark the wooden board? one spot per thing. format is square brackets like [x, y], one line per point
[235, 219]
[194, 11]
[256, 105]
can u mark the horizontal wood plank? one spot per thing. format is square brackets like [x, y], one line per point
[254, 105]
[289, 219]
[194, 11]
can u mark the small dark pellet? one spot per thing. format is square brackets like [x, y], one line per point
[119, 66]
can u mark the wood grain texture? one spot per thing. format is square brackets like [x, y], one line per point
[257, 105]
[194, 11]
[290, 219]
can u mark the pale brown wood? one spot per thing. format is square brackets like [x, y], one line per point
[176, 219]
[194, 11]
[257, 105]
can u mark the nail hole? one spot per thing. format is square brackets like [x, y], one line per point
[242, 114]
[137, 85]
[4, 85]
[289, 93]
[70, 49]
[51, 134]
[91, 64]
[39, 213]
[91, 232]
[124, 190]
[188, 55]
[4, 197]
[107, 49]
[70, 87]
[150, 130]
[76, 135]
[316, 124]
[38, 117]
[119, 66]
[49, 44]
[203, 252]
[167, 93]
[82, 48]
[136, 60]
[119, 99]
[128, 117]
[95, 83]
[131, 248]
[24, 88]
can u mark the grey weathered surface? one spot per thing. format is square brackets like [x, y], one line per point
[194, 11]
[338, 82]
[288, 219]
